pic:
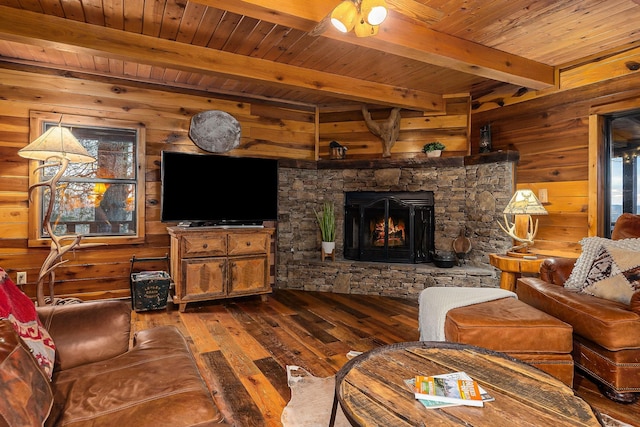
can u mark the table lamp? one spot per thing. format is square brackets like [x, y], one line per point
[523, 230]
[57, 147]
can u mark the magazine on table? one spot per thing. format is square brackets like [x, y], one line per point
[434, 402]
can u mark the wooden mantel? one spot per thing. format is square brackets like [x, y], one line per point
[424, 161]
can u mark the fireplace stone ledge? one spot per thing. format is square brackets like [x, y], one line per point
[380, 278]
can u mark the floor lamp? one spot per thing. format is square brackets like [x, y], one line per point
[57, 147]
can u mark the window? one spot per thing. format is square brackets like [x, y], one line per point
[622, 149]
[104, 200]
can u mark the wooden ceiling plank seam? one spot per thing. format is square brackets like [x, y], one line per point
[152, 18]
[173, 13]
[93, 12]
[70, 59]
[130, 69]
[52, 8]
[296, 41]
[133, 16]
[418, 11]
[31, 5]
[11, 3]
[206, 28]
[113, 14]
[73, 10]
[191, 19]
[272, 39]
[116, 66]
[289, 37]
[223, 31]
[143, 71]
[242, 36]
[253, 40]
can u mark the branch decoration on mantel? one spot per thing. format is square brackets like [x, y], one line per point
[388, 131]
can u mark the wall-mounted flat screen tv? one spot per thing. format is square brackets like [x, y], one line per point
[208, 189]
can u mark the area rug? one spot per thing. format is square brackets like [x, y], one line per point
[312, 398]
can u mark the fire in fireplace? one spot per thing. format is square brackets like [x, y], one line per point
[389, 226]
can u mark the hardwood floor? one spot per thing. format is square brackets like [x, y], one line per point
[243, 345]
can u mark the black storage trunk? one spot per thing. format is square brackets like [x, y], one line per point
[150, 290]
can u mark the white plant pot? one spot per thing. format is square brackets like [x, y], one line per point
[434, 153]
[328, 247]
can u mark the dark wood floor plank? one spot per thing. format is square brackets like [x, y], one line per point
[276, 375]
[242, 346]
[238, 402]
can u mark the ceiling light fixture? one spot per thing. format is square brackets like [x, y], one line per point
[362, 16]
[373, 11]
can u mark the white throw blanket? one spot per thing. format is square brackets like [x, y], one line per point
[435, 302]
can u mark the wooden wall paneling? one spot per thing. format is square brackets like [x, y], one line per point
[416, 129]
[104, 271]
[553, 135]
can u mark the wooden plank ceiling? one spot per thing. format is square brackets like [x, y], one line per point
[265, 49]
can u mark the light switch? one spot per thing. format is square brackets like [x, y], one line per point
[543, 196]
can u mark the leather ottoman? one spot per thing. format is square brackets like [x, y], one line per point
[510, 326]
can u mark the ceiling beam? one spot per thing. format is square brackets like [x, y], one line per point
[68, 35]
[401, 36]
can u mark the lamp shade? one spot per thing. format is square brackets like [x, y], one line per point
[344, 16]
[57, 142]
[374, 11]
[525, 202]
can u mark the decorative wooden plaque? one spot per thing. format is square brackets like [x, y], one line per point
[215, 131]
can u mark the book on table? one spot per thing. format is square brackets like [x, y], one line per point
[451, 389]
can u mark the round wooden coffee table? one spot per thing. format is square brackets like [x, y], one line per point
[371, 389]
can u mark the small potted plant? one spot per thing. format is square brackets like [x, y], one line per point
[433, 149]
[327, 223]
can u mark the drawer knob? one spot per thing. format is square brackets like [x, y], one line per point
[205, 246]
[248, 243]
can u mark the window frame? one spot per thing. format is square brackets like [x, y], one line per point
[599, 162]
[37, 120]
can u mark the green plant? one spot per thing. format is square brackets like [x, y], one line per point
[433, 146]
[327, 222]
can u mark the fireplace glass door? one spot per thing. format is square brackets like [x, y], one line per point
[389, 226]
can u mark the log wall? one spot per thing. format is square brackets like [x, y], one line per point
[551, 134]
[268, 130]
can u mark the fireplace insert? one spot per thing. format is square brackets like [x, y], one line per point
[389, 226]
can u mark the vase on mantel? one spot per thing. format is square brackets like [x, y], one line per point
[328, 249]
[434, 153]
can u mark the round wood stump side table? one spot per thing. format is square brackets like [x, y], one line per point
[513, 267]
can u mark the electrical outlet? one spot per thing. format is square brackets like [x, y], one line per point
[21, 277]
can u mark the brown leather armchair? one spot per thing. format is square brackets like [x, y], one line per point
[98, 379]
[606, 344]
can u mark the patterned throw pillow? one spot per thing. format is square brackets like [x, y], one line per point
[590, 248]
[614, 275]
[21, 312]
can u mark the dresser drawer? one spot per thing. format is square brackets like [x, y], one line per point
[204, 245]
[248, 243]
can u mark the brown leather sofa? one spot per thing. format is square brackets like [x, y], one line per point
[98, 380]
[606, 343]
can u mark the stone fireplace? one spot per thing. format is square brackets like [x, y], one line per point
[389, 226]
[469, 192]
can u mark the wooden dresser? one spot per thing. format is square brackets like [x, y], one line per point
[209, 263]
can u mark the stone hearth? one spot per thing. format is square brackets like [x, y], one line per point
[469, 192]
